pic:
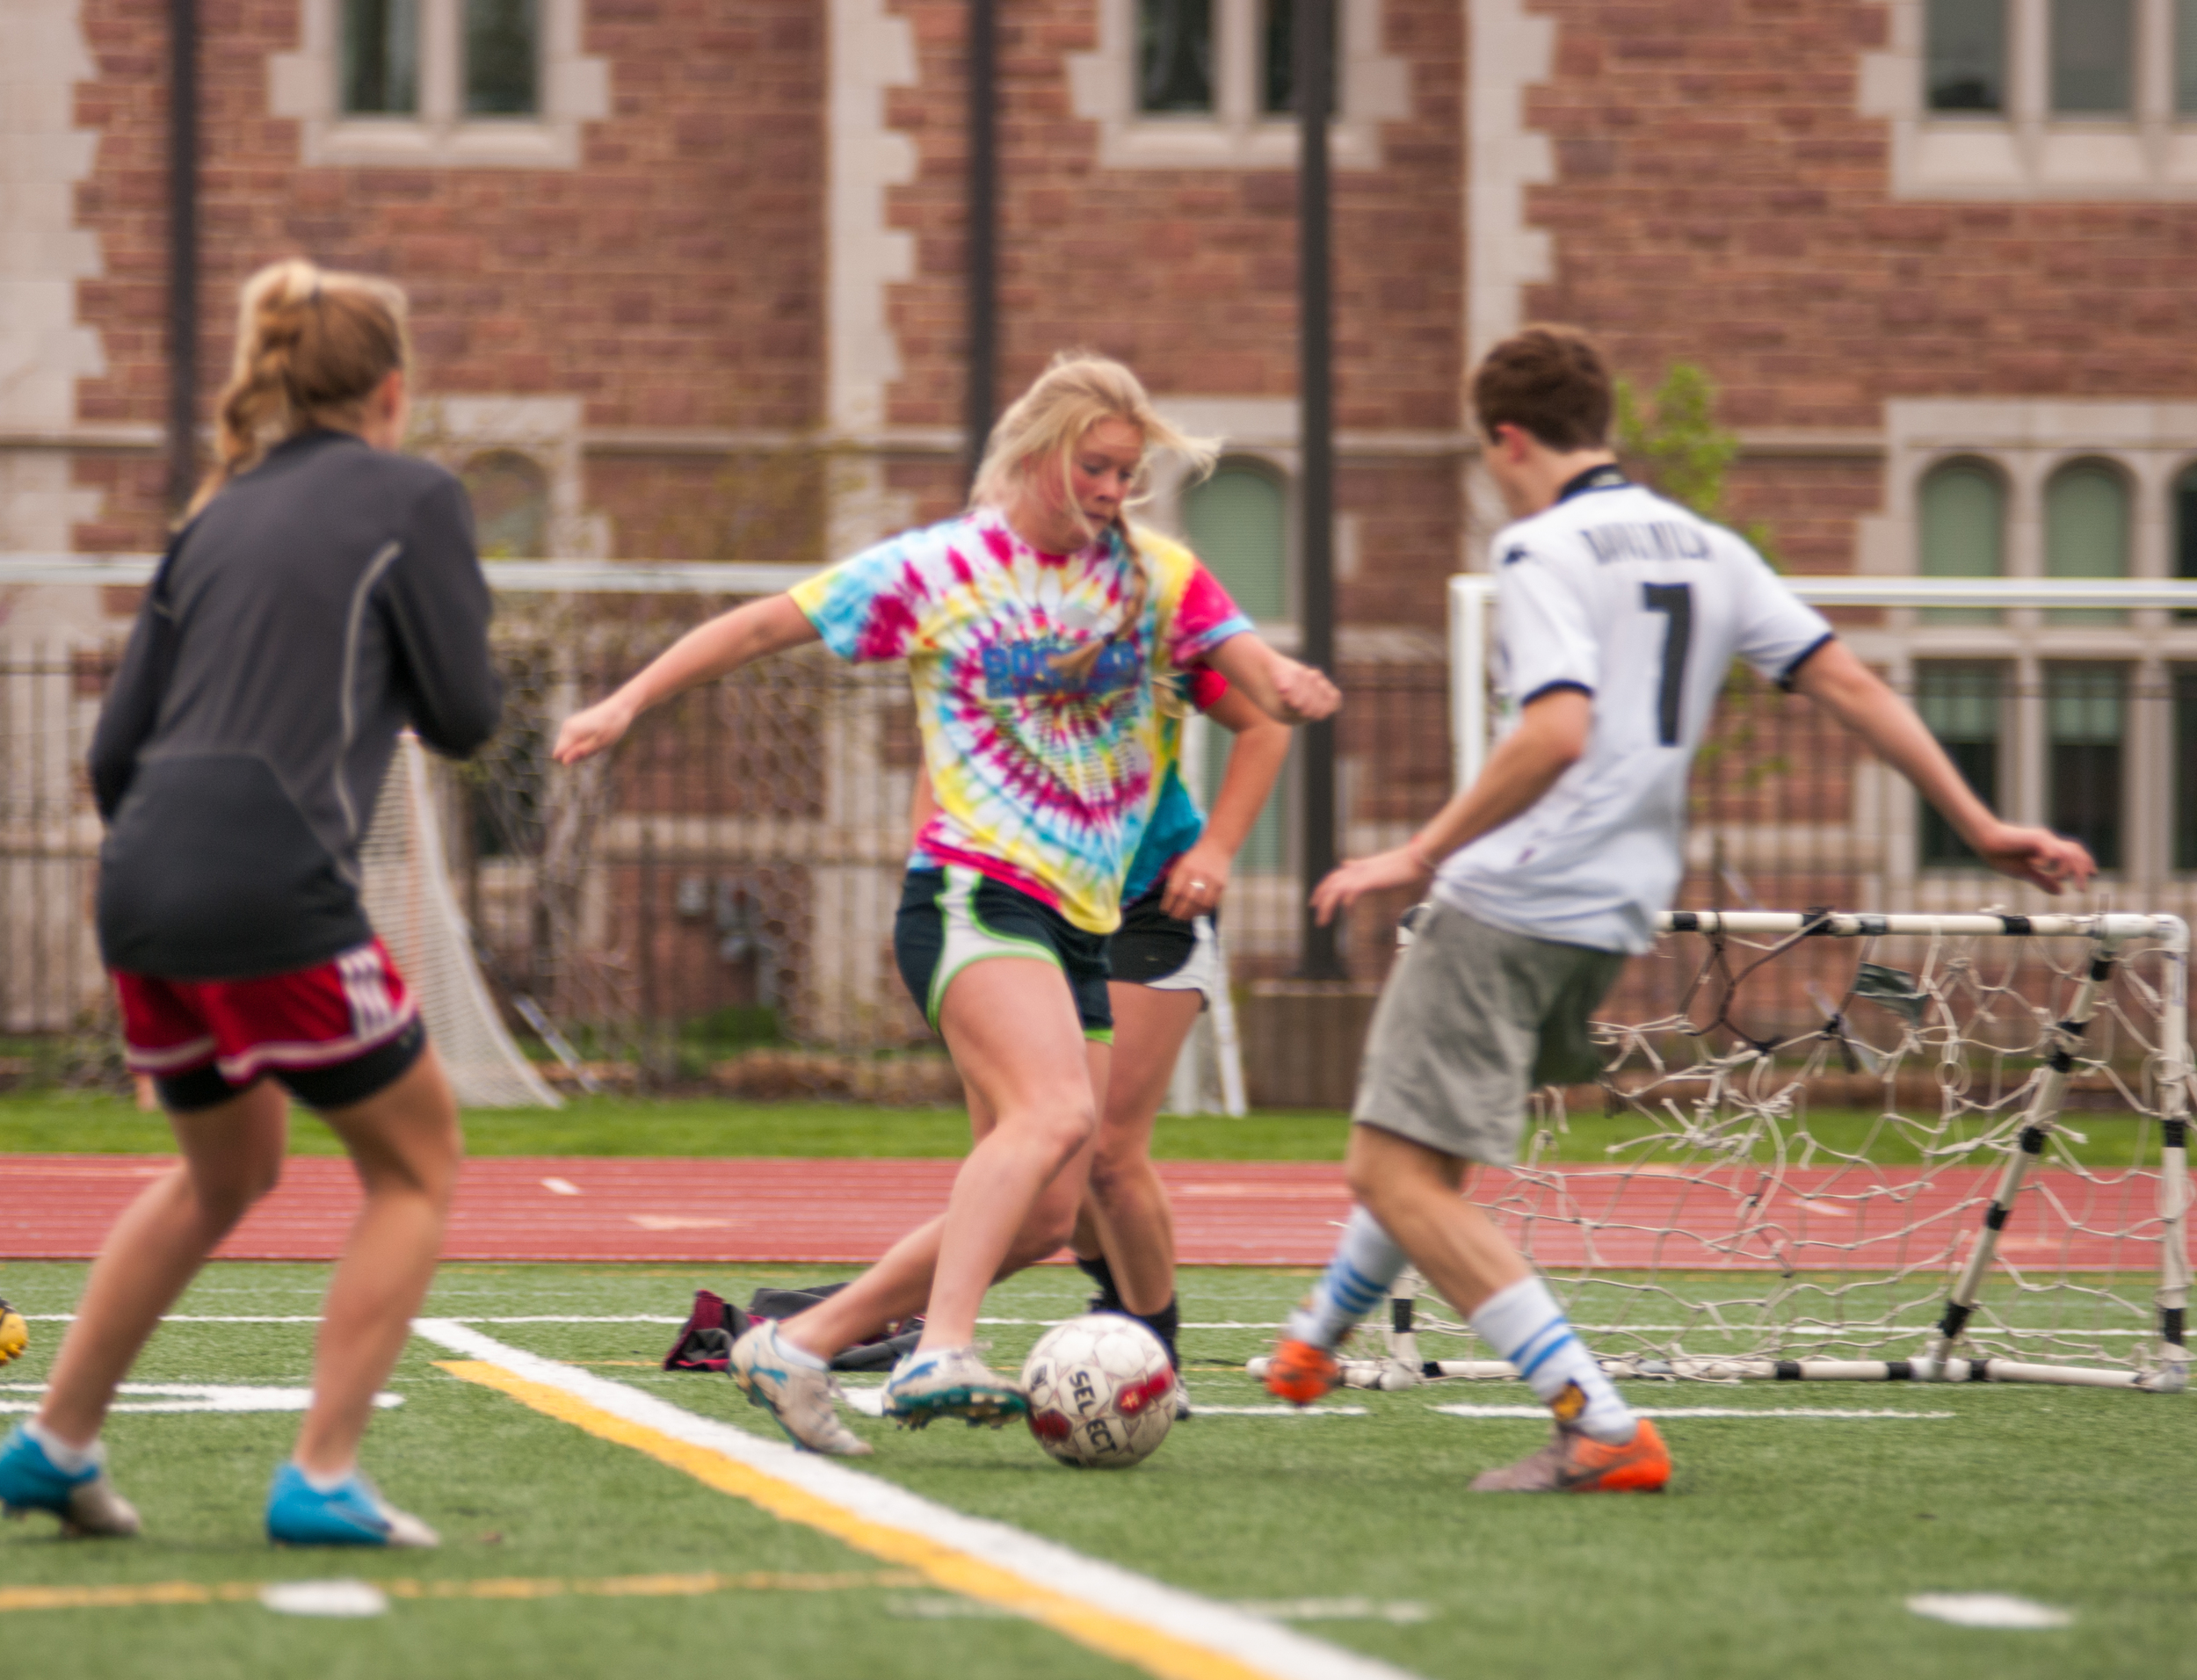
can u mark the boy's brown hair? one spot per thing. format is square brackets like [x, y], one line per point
[1548, 382]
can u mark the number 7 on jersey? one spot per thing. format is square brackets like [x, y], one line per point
[1677, 600]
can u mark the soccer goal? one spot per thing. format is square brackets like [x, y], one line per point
[1963, 1159]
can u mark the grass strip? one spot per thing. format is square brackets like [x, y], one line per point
[96, 1123]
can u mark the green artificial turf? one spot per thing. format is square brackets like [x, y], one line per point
[1787, 1547]
[95, 1123]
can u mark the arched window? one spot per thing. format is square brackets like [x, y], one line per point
[510, 505]
[2085, 526]
[1235, 521]
[1962, 527]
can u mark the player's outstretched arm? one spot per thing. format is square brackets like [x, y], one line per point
[1286, 689]
[1200, 875]
[702, 655]
[1551, 735]
[1858, 697]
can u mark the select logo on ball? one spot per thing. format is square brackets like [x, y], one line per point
[1099, 1388]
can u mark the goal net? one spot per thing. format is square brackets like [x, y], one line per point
[1864, 1147]
[406, 889]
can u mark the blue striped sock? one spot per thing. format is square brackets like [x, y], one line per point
[1357, 1281]
[1525, 1325]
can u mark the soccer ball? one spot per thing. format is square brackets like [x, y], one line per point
[1102, 1394]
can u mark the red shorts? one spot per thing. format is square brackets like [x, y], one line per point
[300, 1022]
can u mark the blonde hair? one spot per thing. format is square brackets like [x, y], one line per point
[310, 342]
[1039, 433]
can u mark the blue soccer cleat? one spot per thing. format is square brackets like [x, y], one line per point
[353, 1515]
[85, 1501]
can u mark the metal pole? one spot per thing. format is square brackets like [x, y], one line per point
[183, 250]
[1315, 82]
[983, 228]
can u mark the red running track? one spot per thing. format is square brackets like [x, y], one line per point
[58, 1207]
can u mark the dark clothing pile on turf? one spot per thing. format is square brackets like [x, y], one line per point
[706, 1340]
[323, 602]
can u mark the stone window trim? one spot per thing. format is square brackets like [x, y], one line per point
[2026, 153]
[1373, 86]
[545, 431]
[2025, 443]
[575, 89]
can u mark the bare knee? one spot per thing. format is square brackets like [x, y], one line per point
[227, 1190]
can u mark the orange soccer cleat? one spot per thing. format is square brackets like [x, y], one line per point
[1299, 1373]
[1575, 1463]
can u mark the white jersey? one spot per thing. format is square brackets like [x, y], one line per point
[1640, 604]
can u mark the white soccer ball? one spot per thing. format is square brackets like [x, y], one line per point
[1102, 1394]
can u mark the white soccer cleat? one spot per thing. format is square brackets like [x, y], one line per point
[804, 1401]
[951, 1382]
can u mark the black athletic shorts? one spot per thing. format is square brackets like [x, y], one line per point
[1152, 948]
[954, 916]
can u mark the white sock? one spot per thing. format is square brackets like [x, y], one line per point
[70, 1460]
[325, 1485]
[1525, 1325]
[1356, 1281]
[797, 1355]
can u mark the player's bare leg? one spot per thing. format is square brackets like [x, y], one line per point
[1600, 1445]
[898, 1286]
[405, 1143]
[232, 1156]
[1131, 1215]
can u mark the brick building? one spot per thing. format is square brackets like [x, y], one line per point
[688, 281]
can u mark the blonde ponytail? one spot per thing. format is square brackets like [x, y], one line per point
[311, 344]
[1038, 435]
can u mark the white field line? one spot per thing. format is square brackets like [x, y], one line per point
[1988, 1609]
[1232, 1638]
[1542, 1412]
[869, 1399]
[189, 1397]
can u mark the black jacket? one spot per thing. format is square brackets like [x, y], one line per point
[321, 603]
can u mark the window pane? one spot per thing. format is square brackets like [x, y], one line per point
[2186, 767]
[501, 37]
[1278, 78]
[1234, 520]
[1174, 56]
[2085, 707]
[2092, 57]
[2185, 57]
[379, 67]
[1965, 56]
[1964, 525]
[510, 506]
[2086, 530]
[1961, 703]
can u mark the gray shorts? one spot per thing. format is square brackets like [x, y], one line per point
[1473, 1020]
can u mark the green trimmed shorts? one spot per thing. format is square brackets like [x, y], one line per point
[954, 916]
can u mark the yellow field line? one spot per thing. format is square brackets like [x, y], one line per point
[656, 1586]
[1156, 1652]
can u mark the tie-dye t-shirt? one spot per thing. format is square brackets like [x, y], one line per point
[1044, 779]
